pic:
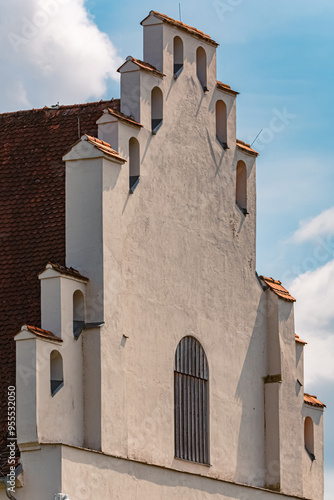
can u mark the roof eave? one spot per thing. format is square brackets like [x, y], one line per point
[247, 151]
[227, 90]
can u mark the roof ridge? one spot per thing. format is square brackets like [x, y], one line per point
[63, 106]
[71, 271]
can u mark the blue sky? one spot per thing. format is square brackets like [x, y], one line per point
[279, 56]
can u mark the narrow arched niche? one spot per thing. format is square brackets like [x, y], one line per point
[78, 313]
[134, 164]
[309, 436]
[201, 67]
[221, 123]
[178, 55]
[56, 372]
[241, 186]
[156, 109]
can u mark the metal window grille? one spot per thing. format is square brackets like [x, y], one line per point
[191, 393]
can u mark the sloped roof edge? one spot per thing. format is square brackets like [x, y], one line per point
[299, 340]
[123, 117]
[39, 332]
[142, 65]
[313, 401]
[68, 271]
[246, 147]
[278, 289]
[226, 88]
[185, 27]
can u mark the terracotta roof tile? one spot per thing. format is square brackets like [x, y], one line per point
[226, 88]
[102, 146]
[299, 340]
[143, 65]
[39, 332]
[313, 401]
[32, 214]
[123, 117]
[4, 465]
[185, 27]
[276, 287]
[69, 271]
[246, 147]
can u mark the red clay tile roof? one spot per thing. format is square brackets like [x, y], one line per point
[102, 146]
[246, 147]
[226, 88]
[123, 117]
[276, 287]
[4, 465]
[143, 65]
[189, 29]
[313, 401]
[299, 341]
[32, 214]
[39, 332]
[69, 271]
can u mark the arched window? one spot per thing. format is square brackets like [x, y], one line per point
[221, 123]
[56, 372]
[201, 67]
[309, 436]
[178, 56]
[134, 164]
[78, 313]
[241, 187]
[156, 109]
[191, 399]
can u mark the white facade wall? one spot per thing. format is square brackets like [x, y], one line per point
[188, 263]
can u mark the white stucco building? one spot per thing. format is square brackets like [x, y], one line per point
[165, 367]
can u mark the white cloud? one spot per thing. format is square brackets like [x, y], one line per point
[315, 320]
[329, 484]
[52, 51]
[311, 229]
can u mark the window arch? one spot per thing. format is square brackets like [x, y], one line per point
[201, 67]
[178, 55]
[221, 123]
[309, 436]
[156, 109]
[241, 187]
[56, 372]
[78, 313]
[134, 163]
[191, 400]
